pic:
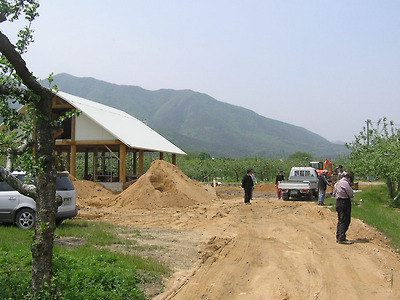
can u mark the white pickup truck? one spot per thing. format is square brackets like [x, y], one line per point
[302, 183]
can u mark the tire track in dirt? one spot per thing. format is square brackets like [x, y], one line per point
[268, 250]
[288, 251]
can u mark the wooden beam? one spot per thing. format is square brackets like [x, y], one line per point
[122, 163]
[60, 103]
[87, 143]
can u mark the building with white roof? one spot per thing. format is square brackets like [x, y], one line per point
[108, 137]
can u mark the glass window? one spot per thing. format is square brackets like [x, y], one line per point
[5, 187]
[64, 183]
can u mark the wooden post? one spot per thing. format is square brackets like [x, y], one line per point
[141, 162]
[72, 166]
[161, 155]
[122, 163]
[73, 148]
[134, 163]
[95, 165]
[86, 173]
[103, 163]
[68, 164]
[174, 159]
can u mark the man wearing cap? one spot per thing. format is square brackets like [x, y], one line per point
[248, 185]
[343, 194]
[341, 172]
[322, 183]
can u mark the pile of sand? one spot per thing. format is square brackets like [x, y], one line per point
[90, 194]
[164, 185]
[265, 187]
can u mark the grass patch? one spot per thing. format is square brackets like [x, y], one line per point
[95, 233]
[84, 265]
[374, 207]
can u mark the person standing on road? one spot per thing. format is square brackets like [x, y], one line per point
[279, 177]
[341, 172]
[248, 185]
[343, 194]
[254, 178]
[322, 183]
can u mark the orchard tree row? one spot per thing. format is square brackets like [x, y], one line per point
[203, 167]
[375, 153]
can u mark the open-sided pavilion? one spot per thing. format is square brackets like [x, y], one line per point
[107, 137]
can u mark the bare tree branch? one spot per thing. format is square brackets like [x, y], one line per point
[25, 189]
[12, 90]
[12, 153]
[8, 49]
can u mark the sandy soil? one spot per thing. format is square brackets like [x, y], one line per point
[220, 248]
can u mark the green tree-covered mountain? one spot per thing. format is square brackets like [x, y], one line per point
[197, 122]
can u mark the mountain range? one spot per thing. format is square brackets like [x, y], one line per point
[196, 122]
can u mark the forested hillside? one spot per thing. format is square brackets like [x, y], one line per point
[197, 122]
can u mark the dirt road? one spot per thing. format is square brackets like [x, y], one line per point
[288, 251]
[270, 249]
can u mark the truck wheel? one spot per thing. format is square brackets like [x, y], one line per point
[285, 196]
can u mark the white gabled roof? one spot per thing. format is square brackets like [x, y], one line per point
[129, 130]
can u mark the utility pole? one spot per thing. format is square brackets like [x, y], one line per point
[367, 132]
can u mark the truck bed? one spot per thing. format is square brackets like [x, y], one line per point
[296, 185]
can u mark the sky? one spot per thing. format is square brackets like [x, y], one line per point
[327, 66]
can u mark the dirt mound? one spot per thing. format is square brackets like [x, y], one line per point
[90, 194]
[164, 185]
[265, 187]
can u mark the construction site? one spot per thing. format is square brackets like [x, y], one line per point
[219, 248]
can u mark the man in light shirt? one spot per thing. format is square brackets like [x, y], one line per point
[343, 194]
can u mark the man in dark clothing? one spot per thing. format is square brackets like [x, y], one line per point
[341, 172]
[279, 177]
[248, 185]
[322, 183]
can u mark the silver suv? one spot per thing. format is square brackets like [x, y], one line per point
[19, 209]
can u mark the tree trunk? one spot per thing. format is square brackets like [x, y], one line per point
[390, 186]
[42, 248]
[398, 187]
[41, 99]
